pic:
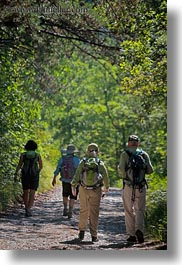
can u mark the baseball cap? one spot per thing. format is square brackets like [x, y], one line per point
[133, 138]
[92, 147]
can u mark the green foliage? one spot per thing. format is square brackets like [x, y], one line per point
[10, 192]
[81, 77]
[156, 217]
[18, 118]
[45, 182]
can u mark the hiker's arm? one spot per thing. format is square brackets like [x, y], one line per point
[104, 173]
[149, 168]
[20, 163]
[40, 163]
[122, 165]
[56, 172]
[76, 179]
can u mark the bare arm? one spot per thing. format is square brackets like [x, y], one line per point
[20, 163]
[40, 163]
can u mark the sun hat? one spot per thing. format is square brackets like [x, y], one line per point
[92, 147]
[71, 149]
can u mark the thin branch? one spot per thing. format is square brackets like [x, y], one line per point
[82, 40]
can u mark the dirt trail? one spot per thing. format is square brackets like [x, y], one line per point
[47, 229]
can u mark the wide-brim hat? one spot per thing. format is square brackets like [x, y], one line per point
[71, 149]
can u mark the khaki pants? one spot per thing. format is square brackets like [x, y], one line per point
[134, 210]
[89, 209]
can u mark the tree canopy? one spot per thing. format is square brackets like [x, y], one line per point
[80, 72]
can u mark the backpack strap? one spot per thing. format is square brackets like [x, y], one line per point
[129, 153]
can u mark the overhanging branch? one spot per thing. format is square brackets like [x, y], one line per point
[81, 40]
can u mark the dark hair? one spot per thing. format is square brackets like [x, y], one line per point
[31, 145]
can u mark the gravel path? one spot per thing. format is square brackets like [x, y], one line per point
[47, 229]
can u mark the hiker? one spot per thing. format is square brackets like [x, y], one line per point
[134, 164]
[91, 175]
[66, 166]
[30, 163]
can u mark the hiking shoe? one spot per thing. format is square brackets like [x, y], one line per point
[140, 237]
[70, 215]
[65, 212]
[131, 239]
[28, 213]
[95, 239]
[81, 235]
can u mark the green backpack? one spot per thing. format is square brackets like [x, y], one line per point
[91, 176]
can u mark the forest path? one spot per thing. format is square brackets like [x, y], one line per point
[48, 229]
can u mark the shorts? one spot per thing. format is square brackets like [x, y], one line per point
[30, 184]
[67, 191]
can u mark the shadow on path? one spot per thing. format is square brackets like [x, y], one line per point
[48, 229]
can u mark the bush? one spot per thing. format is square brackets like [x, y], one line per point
[156, 213]
[46, 176]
